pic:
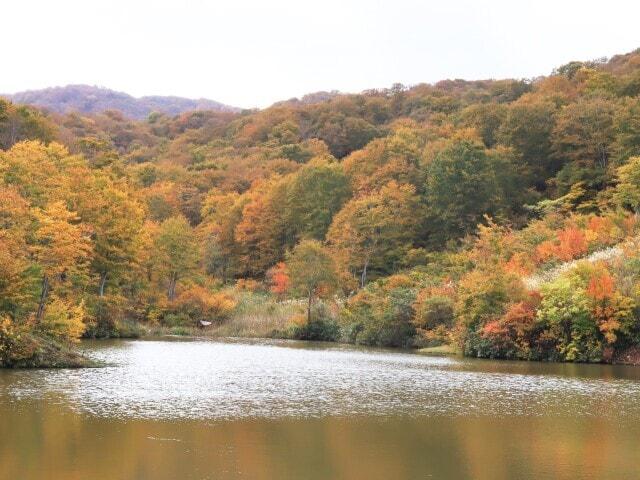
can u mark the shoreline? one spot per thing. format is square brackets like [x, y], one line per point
[53, 355]
[628, 358]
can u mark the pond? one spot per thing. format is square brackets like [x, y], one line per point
[240, 409]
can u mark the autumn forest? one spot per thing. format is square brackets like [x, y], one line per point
[495, 218]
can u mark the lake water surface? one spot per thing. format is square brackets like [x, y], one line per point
[293, 410]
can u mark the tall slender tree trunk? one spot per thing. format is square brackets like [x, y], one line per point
[363, 277]
[171, 292]
[43, 298]
[13, 137]
[603, 157]
[224, 271]
[309, 307]
[103, 281]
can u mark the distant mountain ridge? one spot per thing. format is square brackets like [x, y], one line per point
[92, 99]
[311, 98]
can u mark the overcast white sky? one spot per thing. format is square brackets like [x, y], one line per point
[254, 52]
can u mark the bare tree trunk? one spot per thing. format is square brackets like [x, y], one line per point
[43, 299]
[363, 277]
[603, 156]
[309, 307]
[171, 292]
[103, 281]
[13, 136]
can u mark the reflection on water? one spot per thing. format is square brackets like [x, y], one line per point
[273, 410]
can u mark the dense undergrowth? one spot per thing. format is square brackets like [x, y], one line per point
[449, 214]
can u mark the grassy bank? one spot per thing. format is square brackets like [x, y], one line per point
[255, 316]
[43, 352]
[440, 350]
[259, 316]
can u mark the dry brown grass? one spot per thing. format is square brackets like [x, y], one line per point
[255, 316]
[259, 316]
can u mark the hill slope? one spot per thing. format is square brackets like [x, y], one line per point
[91, 99]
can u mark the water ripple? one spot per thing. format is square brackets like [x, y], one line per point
[224, 380]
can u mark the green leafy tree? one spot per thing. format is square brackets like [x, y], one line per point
[177, 252]
[375, 231]
[527, 129]
[312, 272]
[381, 313]
[582, 141]
[314, 195]
[627, 191]
[626, 129]
[565, 313]
[463, 185]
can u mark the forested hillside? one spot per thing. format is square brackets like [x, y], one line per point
[400, 217]
[89, 99]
